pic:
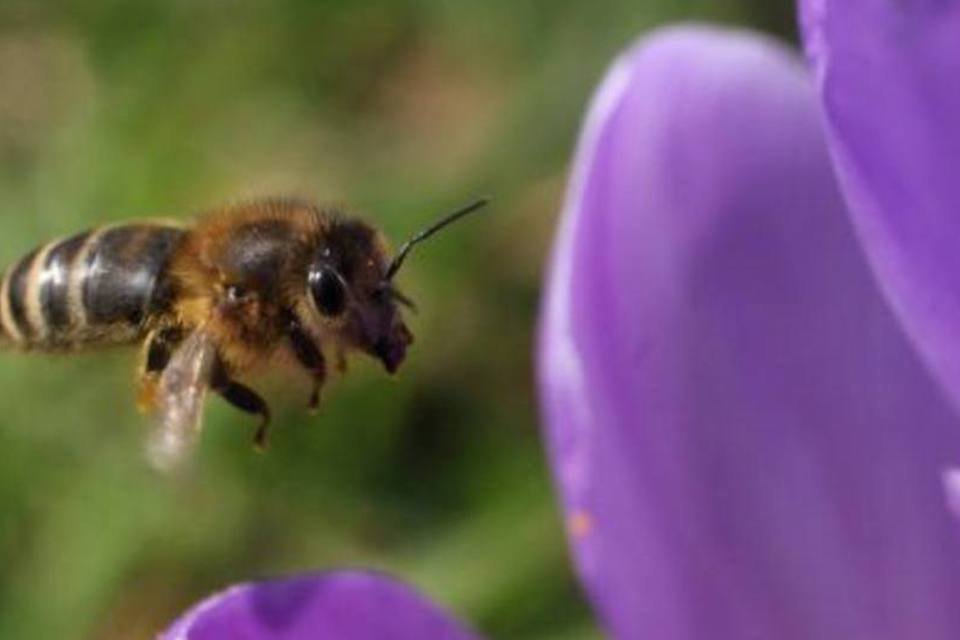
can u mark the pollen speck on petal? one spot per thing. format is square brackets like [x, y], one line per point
[580, 524]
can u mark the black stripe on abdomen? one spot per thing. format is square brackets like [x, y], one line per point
[55, 285]
[121, 272]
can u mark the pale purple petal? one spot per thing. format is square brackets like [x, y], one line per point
[888, 77]
[332, 606]
[745, 444]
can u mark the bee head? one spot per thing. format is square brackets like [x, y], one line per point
[344, 289]
[350, 286]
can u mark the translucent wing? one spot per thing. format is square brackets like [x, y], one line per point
[179, 404]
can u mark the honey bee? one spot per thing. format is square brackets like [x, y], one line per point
[216, 301]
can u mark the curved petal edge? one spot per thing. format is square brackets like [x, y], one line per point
[347, 605]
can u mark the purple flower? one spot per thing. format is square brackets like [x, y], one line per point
[332, 606]
[745, 442]
[888, 74]
[743, 429]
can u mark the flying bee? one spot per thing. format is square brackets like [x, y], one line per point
[214, 302]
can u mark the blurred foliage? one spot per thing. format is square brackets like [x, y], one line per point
[111, 109]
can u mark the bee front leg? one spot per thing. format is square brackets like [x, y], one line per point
[309, 356]
[245, 399]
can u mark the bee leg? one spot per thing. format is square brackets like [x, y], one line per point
[245, 399]
[308, 354]
[160, 345]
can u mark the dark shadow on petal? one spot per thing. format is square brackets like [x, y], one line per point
[279, 605]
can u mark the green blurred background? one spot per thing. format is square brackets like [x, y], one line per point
[112, 109]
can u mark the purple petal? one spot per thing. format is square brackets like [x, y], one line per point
[333, 606]
[888, 76]
[745, 444]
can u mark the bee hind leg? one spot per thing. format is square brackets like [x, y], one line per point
[310, 357]
[160, 345]
[245, 399]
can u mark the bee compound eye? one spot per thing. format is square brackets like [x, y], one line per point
[327, 289]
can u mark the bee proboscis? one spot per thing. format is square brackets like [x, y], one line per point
[214, 301]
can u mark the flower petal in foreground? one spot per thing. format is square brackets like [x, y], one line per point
[332, 606]
[888, 78]
[745, 444]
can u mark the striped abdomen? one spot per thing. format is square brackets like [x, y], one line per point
[98, 287]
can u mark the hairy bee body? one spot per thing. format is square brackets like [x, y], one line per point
[213, 301]
[240, 271]
[100, 287]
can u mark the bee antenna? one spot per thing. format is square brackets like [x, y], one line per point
[398, 259]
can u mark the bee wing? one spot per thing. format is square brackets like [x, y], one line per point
[181, 392]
